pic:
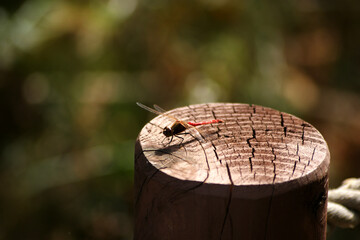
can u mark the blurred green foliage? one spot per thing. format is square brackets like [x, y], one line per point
[71, 72]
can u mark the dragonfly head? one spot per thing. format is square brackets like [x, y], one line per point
[167, 132]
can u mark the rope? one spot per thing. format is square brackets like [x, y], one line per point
[343, 208]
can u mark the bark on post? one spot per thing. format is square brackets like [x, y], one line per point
[262, 174]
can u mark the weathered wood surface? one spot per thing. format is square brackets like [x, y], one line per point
[262, 174]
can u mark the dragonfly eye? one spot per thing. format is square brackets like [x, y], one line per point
[167, 132]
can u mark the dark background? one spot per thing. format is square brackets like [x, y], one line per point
[71, 72]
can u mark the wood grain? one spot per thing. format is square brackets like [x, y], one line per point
[261, 174]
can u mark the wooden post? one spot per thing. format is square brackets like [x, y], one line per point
[261, 174]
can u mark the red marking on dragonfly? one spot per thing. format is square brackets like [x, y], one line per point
[179, 126]
[205, 122]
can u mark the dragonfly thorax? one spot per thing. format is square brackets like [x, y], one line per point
[175, 129]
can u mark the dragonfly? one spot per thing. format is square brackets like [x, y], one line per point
[179, 127]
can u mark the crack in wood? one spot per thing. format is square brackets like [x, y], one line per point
[217, 132]
[240, 166]
[268, 219]
[274, 165]
[282, 124]
[312, 156]
[146, 180]
[227, 210]
[182, 193]
[273, 181]
[233, 108]
[252, 148]
[303, 171]
[215, 152]
[297, 150]
[303, 133]
[213, 113]
[293, 171]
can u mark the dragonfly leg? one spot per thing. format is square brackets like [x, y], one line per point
[164, 140]
[169, 140]
[182, 139]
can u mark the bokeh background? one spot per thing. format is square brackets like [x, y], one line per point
[71, 72]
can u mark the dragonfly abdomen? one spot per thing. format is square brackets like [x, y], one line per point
[205, 122]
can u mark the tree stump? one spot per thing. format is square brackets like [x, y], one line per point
[261, 174]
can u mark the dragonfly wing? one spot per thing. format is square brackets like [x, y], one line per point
[194, 132]
[148, 108]
[156, 111]
[159, 108]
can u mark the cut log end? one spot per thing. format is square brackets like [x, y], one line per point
[253, 145]
[256, 152]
